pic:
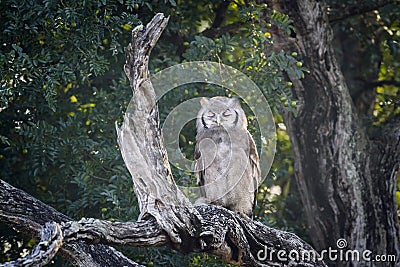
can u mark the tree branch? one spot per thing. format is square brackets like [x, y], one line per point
[220, 13]
[341, 11]
[28, 215]
[141, 144]
[217, 32]
[143, 234]
[222, 229]
[50, 242]
[226, 234]
[385, 82]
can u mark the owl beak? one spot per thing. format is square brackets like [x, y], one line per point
[218, 120]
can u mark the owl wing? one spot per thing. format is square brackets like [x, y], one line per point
[254, 167]
[199, 170]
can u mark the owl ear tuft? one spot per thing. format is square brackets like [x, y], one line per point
[203, 100]
[235, 101]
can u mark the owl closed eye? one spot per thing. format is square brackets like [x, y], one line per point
[210, 114]
[227, 113]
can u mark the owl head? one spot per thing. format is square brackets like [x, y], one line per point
[221, 113]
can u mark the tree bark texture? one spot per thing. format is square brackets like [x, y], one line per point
[346, 179]
[225, 234]
[51, 240]
[29, 216]
[167, 217]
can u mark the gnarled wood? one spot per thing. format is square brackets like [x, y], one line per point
[225, 234]
[28, 215]
[141, 146]
[50, 242]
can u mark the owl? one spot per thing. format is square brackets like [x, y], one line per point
[226, 164]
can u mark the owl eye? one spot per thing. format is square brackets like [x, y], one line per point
[210, 114]
[227, 113]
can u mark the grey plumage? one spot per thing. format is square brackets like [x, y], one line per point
[226, 160]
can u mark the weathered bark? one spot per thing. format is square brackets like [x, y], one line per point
[28, 215]
[141, 144]
[51, 241]
[225, 234]
[361, 71]
[346, 179]
[167, 217]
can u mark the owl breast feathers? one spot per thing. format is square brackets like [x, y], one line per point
[226, 160]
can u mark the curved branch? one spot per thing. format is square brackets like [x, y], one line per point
[226, 234]
[343, 11]
[28, 215]
[218, 32]
[190, 229]
[141, 144]
[385, 82]
[138, 52]
[50, 242]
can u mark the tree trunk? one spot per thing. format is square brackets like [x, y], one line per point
[347, 180]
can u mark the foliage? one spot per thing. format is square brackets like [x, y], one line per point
[387, 102]
[387, 105]
[63, 87]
